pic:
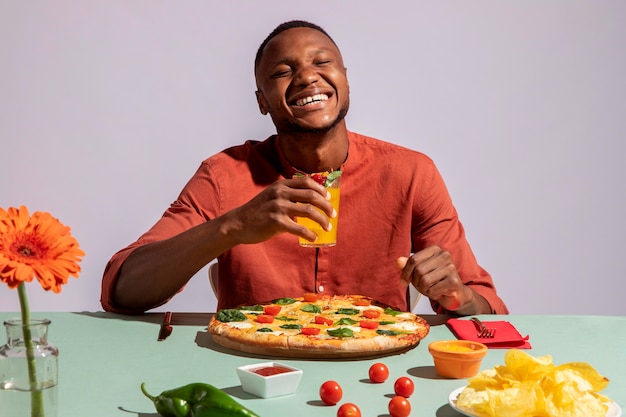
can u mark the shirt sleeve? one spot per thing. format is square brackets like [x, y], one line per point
[195, 205]
[437, 223]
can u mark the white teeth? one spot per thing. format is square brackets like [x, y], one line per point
[312, 99]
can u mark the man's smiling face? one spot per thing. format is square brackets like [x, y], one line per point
[302, 83]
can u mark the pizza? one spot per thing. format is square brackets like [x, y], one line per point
[318, 326]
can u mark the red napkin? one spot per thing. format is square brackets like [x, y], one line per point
[506, 336]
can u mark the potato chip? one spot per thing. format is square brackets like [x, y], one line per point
[527, 386]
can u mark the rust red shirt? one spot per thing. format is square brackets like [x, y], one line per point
[393, 203]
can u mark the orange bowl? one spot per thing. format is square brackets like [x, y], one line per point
[457, 358]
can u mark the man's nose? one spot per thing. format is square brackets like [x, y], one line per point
[306, 75]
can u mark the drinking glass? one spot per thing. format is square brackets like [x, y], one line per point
[324, 238]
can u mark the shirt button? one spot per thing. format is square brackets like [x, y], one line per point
[320, 288]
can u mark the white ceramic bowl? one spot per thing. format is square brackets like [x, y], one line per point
[254, 382]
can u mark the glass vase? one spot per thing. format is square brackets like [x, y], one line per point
[28, 371]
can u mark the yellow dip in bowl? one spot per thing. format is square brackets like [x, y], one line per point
[457, 358]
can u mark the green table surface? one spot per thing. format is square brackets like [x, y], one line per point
[103, 359]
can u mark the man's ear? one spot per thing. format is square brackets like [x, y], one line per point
[260, 99]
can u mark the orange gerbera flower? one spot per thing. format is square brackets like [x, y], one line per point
[39, 246]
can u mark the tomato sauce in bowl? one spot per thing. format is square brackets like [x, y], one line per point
[269, 379]
[271, 370]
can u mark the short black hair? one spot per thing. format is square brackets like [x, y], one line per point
[283, 27]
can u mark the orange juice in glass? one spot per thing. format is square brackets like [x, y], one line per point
[332, 181]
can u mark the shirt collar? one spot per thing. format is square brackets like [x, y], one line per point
[287, 170]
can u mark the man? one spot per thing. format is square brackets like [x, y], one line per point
[397, 224]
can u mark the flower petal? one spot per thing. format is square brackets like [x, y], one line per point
[39, 246]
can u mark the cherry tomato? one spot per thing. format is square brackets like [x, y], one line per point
[348, 410]
[323, 320]
[399, 407]
[310, 297]
[310, 331]
[271, 310]
[368, 324]
[319, 178]
[264, 318]
[361, 302]
[404, 387]
[331, 392]
[371, 314]
[379, 372]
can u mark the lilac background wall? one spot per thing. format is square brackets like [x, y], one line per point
[108, 107]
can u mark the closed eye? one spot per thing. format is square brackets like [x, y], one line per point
[281, 73]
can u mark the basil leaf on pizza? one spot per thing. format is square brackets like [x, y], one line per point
[231, 315]
[341, 332]
[348, 311]
[391, 332]
[284, 301]
[345, 321]
[284, 318]
[251, 308]
[311, 308]
[392, 312]
[291, 326]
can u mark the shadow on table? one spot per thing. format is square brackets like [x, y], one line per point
[424, 372]
[446, 411]
[178, 319]
[138, 414]
[443, 411]
[145, 318]
[238, 392]
[436, 319]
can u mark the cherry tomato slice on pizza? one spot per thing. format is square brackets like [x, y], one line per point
[371, 314]
[323, 320]
[264, 318]
[310, 331]
[310, 297]
[368, 324]
[361, 302]
[272, 310]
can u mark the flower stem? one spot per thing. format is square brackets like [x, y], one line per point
[36, 394]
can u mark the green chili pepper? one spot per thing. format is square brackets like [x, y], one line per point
[220, 409]
[167, 405]
[197, 400]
